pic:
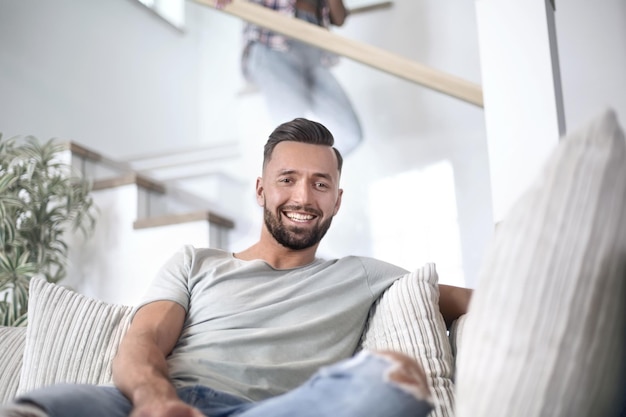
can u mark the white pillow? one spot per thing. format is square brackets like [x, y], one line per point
[546, 328]
[11, 351]
[456, 334]
[70, 337]
[406, 319]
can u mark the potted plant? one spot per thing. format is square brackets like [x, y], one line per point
[41, 199]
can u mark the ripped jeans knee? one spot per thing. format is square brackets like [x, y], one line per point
[370, 384]
[375, 383]
[406, 373]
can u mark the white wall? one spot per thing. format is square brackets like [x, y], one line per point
[115, 78]
[101, 73]
[525, 114]
[117, 263]
[592, 51]
[521, 91]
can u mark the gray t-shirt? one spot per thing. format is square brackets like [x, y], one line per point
[255, 331]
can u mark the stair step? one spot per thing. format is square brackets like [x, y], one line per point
[170, 219]
[130, 178]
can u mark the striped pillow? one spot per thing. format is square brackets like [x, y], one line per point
[11, 350]
[70, 337]
[406, 319]
[546, 328]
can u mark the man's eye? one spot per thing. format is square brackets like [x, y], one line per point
[321, 185]
[285, 180]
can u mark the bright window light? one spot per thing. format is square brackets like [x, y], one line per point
[414, 221]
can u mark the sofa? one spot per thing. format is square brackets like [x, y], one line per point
[73, 338]
[545, 334]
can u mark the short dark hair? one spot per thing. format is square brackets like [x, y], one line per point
[303, 131]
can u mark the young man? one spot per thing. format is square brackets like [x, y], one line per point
[268, 331]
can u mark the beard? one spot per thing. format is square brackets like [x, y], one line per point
[295, 238]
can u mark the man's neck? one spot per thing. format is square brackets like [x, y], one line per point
[277, 256]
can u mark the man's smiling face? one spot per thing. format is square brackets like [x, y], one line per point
[299, 193]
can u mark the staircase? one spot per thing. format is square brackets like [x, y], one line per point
[141, 223]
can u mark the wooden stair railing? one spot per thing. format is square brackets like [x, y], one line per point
[147, 187]
[361, 52]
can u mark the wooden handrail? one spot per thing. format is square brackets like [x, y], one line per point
[361, 52]
[90, 155]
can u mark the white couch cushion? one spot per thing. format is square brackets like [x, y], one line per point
[406, 319]
[11, 351]
[456, 334]
[545, 332]
[70, 337]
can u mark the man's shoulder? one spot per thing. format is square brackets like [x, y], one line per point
[195, 254]
[211, 252]
[378, 273]
[191, 249]
[373, 264]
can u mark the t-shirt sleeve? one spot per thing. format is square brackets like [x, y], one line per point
[380, 274]
[171, 282]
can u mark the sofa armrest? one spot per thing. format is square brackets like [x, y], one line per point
[12, 341]
[456, 334]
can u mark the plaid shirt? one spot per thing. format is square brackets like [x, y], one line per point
[253, 33]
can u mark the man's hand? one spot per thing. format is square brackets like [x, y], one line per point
[219, 4]
[171, 408]
[338, 12]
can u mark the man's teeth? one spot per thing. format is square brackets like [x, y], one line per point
[299, 216]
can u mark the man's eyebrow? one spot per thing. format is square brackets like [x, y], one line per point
[323, 175]
[287, 171]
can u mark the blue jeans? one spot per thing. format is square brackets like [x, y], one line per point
[356, 387]
[295, 83]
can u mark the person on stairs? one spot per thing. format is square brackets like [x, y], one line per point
[295, 78]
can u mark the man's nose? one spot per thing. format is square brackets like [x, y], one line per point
[302, 194]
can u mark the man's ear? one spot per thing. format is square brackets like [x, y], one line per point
[260, 196]
[338, 203]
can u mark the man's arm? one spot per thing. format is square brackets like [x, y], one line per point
[453, 302]
[338, 12]
[140, 370]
